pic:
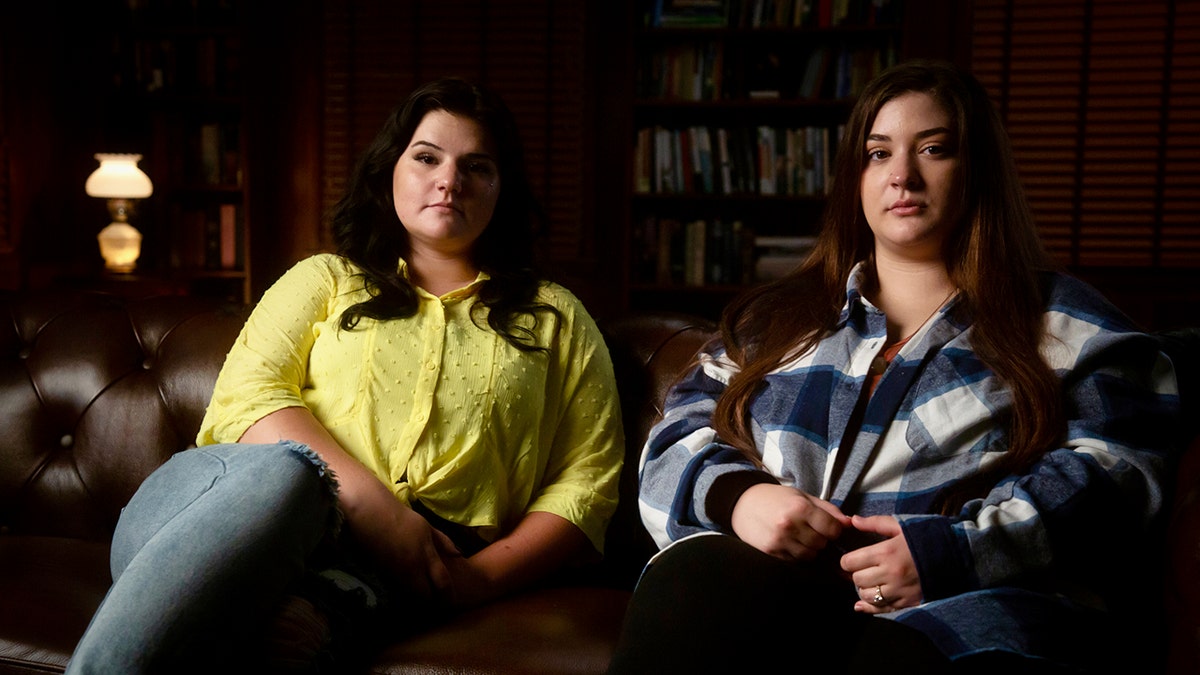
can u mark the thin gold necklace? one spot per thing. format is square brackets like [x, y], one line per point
[880, 362]
[926, 319]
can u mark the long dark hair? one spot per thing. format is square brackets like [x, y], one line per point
[367, 231]
[994, 256]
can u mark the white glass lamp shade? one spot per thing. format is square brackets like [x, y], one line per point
[120, 181]
[119, 177]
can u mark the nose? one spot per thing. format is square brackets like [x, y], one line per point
[906, 174]
[450, 180]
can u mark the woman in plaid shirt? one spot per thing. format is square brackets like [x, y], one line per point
[927, 450]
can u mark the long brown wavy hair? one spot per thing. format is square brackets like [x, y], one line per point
[993, 255]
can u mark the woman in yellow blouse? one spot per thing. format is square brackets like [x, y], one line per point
[415, 424]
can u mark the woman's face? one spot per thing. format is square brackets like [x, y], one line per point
[445, 185]
[910, 182]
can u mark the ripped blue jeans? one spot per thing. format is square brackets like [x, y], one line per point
[202, 555]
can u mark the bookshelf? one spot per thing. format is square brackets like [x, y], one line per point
[738, 108]
[181, 66]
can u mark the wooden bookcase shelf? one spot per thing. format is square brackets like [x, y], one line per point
[736, 118]
[181, 65]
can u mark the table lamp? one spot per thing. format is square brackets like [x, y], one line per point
[120, 181]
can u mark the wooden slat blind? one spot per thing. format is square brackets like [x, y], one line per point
[530, 51]
[1181, 167]
[1101, 101]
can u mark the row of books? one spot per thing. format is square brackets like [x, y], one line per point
[687, 13]
[213, 155]
[687, 72]
[814, 13]
[671, 251]
[702, 72]
[771, 13]
[210, 238]
[711, 252]
[760, 160]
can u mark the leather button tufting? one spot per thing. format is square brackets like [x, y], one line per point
[147, 364]
[24, 353]
[67, 440]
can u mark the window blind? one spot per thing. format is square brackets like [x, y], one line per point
[1102, 101]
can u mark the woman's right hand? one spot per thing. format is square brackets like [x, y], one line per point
[785, 522]
[403, 543]
[406, 547]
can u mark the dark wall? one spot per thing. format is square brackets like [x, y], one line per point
[58, 111]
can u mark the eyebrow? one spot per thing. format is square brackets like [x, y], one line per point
[920, 134]
[470, 155]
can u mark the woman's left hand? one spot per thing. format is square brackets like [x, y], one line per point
[884, 573]
[541, 543]
[469, 583]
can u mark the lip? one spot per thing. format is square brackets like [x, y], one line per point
[906, 207]
[446, 206]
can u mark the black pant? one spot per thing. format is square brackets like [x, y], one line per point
[716, 604]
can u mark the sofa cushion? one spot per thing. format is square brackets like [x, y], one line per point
[96, 392]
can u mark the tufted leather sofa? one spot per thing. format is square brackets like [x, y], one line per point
[96, 391]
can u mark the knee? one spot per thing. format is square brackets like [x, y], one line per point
[295, 479]
[733, 576]
[688, 565]
[703, 557]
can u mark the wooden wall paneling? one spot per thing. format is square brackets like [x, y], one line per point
[55, 76]
[284, 137]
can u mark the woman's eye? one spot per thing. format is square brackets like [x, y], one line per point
[481, 168]
[877, 154]
[426, 158]
[944, 149]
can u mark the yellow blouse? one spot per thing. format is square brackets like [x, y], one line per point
[438, 408]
